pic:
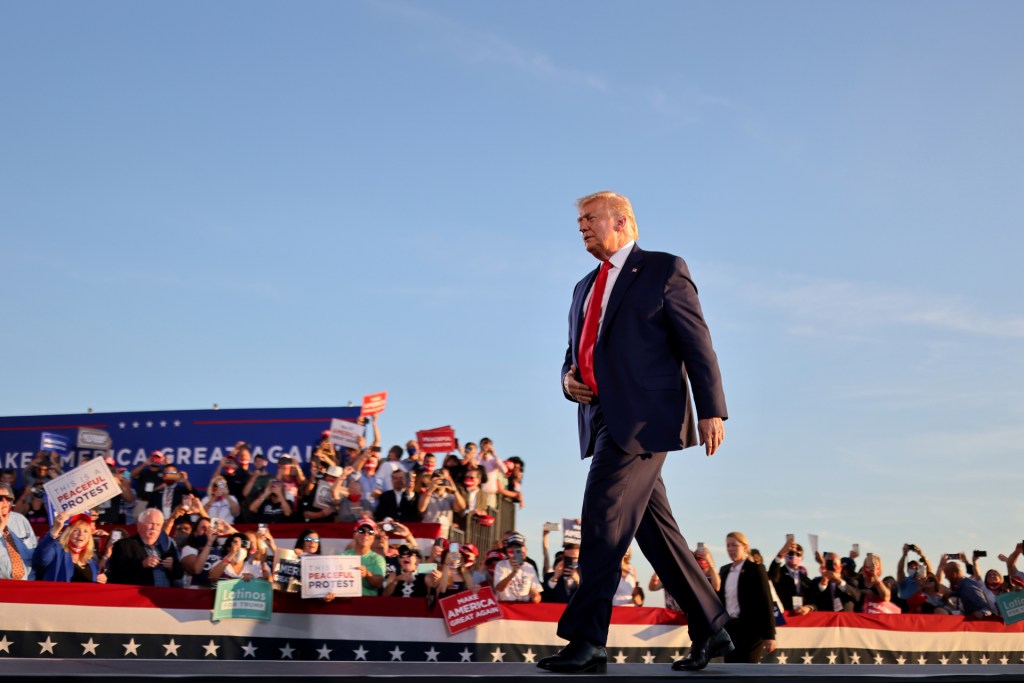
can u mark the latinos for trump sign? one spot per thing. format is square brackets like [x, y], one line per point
[465, 610]
[1011, 606]
[338, 574]
[194, 440]
[438, 440]
[238, 599]
[82, 488]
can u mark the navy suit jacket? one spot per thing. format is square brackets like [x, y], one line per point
[652, 346]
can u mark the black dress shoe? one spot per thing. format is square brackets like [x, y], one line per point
[704, 651]
[577, 657]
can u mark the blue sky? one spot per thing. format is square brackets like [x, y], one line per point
[276, 204]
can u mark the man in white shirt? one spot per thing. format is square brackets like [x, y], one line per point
[16, 536]
[515, 580]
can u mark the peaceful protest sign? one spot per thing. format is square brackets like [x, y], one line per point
[238, 599]
[84, 487]
[465, 610]
[437, 440]
[338, 574]
[374, 404]
[345, 433]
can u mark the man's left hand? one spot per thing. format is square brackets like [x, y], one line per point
[712, 433]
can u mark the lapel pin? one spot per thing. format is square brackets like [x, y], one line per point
[634, 270]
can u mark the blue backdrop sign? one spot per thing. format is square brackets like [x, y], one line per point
[195, 440]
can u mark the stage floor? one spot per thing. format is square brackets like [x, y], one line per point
[14, 669]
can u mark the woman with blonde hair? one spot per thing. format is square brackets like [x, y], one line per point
[744, 590]
[219, 503]
[68, 555]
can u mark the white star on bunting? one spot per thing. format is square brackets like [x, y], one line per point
[964, 659]
[89, 648]
[286, 651]
[808, 658]
[171, 648]
[163, 423]
[211, 649]
[855, 658]
[46, 646]
[466, 655]
[782, 658]
[5, 644]
[250, 650]
[149, 423]
[324, 653]
[943, 660]
[177, 423]
[121, 425]
[620, 658]
[832, 657]
[878, 658]
[1004, 660]
[529, 656]
[901, 660]
[648, 658]
[922, 660]
[135, 425]
[432, 654]
[983, 659]
[131, 648]
[360, 653]
[396, 654]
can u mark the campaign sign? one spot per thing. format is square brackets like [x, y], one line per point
[194, 440]
[93, 438]
[1011, 606]
[58, 443]
[82, 488]
[238, 599]
[338, 574]
[465, 610]
[288, 574]
[438, 440]
[571, 532]
[345, 433]
[324, 496]
[373, 404]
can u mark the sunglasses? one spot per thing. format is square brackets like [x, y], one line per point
[365, 530]
[310, 539]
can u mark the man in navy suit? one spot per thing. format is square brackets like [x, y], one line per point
[637, 342]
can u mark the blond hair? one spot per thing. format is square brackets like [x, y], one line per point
[740, 537]
[618, 204]
[90, 546]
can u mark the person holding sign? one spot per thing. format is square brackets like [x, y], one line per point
[637, 343]
[371, 565]
[68, 554]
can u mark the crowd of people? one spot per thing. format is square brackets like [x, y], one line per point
[186, 537]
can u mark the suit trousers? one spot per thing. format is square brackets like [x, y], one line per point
[625, 498]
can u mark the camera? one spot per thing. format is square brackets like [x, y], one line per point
[830, 565]
[38, 492]
[980, 553]
[388, 526]
[245, 543]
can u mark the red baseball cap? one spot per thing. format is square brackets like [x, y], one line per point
[469, 549]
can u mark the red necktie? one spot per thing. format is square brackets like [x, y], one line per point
[590, 323]
[17, 564]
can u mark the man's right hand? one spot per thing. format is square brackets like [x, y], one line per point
[577, 390]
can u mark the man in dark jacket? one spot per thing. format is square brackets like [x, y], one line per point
[147, 559]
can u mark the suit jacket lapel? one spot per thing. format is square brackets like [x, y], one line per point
[630, 270]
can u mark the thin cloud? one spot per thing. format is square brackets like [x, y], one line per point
[855, 310]
[475, 46]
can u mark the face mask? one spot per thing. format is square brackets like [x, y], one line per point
[412, 450]
[354, 497]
